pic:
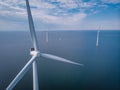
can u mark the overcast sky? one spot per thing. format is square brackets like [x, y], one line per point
[61, 14]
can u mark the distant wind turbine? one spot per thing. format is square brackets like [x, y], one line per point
[97, 41]
[46, 37]
[35, 55]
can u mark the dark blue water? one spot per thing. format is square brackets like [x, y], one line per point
[101, 69]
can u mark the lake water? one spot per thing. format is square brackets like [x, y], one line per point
[101, 70]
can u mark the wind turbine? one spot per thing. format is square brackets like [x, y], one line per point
[46, 36]
[97, 41]
[35, 55]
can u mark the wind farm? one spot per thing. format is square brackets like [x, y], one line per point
[55, 45]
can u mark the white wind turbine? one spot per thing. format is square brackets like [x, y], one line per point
[97, 41]
[35, 54]
[46, 36]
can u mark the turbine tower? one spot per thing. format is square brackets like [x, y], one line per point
[97, 41]
[97, 38]
[35, 55]
[46, 36]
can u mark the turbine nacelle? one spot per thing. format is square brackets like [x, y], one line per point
[34, 52]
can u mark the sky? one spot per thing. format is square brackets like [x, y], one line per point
[60, 15]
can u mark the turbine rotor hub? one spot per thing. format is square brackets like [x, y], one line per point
[34, 52]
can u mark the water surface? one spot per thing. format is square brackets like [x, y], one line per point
[101, 69]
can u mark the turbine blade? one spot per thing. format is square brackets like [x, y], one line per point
[21, 73]
[31, 26]
[49, 56]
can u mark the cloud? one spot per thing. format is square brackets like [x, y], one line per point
[69, 19]
[8, 9]
[58, 13]
[49, 12]
[111, 1]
